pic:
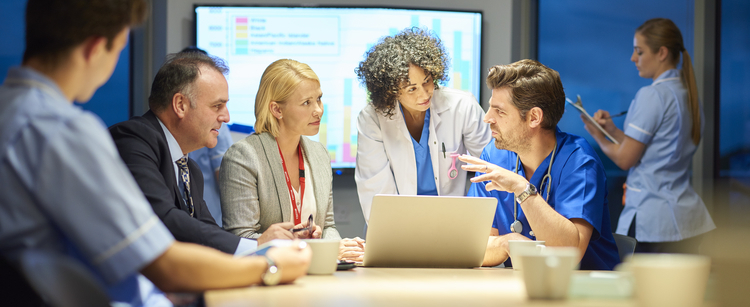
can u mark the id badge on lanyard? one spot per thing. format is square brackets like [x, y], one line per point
[297, 209]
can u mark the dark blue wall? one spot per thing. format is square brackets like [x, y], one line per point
[734, 126]
[734, 111]
[11, 34]
[589, 43]
[111, 102]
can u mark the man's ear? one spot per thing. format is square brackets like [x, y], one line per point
[180, 104]
[93, 47]
[534, 117]
[275, 109]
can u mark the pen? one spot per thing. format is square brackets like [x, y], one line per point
[309, 225]
[619, 114]
[444, 156]
[300, 229]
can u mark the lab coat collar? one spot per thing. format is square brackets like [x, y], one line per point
[439, 104]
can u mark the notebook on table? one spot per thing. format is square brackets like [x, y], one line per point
[428, 231]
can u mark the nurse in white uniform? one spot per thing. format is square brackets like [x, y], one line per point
[661, 132]
[413, 129]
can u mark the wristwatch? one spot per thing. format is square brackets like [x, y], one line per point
[530, 190]
[272, 276]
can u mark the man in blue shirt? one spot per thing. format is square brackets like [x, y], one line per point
[569, 207]
[65, 189]
[209, 161]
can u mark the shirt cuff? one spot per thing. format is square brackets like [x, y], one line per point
[246, 246]
[637, 133]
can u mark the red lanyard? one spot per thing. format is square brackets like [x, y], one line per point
[297, 209]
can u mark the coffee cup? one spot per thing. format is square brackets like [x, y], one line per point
[324, 256]
[517, 247]
[546, 274]
[669, 279]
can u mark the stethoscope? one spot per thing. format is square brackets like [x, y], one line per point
[517, 226]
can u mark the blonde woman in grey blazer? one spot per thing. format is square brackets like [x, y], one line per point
[254, 192]
[261, 178]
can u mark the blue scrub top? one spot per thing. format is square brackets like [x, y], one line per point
[659, 191]
[578, 190]
[424, 161]
[96, 214]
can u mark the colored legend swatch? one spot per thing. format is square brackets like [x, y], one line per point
[240, 35]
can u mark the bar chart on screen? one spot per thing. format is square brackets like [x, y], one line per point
[332, 41]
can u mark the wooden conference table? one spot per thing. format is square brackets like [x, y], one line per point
[400, 287]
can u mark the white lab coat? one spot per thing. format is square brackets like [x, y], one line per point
[385, 154]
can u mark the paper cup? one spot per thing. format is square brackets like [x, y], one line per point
[324, 256]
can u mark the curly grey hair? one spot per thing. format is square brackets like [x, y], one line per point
[386, 65]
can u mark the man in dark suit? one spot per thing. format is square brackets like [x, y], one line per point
[188, 106]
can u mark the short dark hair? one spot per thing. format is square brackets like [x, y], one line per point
[193, 49]
[386, 65]
[177, 76]
[55, 27]
[531, 85]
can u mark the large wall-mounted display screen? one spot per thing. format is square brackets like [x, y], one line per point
[332, 40]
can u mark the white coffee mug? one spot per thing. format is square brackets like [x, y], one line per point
[324, 256]
[517, 247]
[547, 274]
[669, 279]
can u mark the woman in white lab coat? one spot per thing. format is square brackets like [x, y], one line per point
[412, 126]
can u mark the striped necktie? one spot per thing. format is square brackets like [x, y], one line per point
[185, 176]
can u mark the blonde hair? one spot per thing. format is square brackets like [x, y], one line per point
[663, 32]
[278, 82]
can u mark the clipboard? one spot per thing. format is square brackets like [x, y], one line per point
[579, 106]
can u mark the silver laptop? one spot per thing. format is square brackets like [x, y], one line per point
[428, 231]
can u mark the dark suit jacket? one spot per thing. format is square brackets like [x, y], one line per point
[143, 146]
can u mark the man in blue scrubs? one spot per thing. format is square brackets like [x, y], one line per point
[564, 204]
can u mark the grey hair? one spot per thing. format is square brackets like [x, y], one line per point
[386, 65]
[178, 74]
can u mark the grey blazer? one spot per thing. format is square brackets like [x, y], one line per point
[254, 193]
